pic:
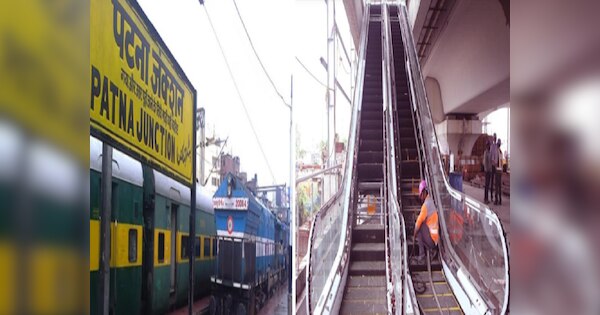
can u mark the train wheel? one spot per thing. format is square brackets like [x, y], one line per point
[257, 301]
[213, 306]
[228, 307]
[241, 309]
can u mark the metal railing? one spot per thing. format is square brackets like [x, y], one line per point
[473, 248]
[388, 164]
[329, 238]
[393, 243]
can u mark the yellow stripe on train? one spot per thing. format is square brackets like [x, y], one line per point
[126, 245]
[181, 258]
[94, 245]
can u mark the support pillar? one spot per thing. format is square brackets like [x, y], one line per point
[201, 119]
[330, 180]
[105, 219]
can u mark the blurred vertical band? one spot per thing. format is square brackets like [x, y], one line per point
[555, 98]
[44, 126]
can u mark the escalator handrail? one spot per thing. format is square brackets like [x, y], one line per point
[420, 104]
[389, 98]
[389, 163]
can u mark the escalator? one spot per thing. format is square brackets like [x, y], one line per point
[428, 277]
[359, 252]
[365, 290]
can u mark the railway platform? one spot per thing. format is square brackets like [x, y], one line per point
[200, 307]
[277, 305]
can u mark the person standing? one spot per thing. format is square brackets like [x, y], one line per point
[494, 159]
[489, 172]
[498, 171]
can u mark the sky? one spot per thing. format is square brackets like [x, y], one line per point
[499, 123]
[184, 27]
[309, 96]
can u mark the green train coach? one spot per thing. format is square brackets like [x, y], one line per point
[149, 259]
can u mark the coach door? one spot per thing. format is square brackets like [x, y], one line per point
[173, 245]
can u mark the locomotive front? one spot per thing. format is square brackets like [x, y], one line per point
[245, 250]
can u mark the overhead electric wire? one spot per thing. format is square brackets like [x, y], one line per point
[310, 73]
[258, 57]
[238, 93]
[337, 83]
[341, 63]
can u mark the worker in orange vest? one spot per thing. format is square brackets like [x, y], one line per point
[427, 235]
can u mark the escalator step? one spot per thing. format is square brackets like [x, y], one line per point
[436, 276]
[370, 157]
[358, 281]
[364, 307]
[367, 268]
[371, 114]
[371, 134]
[374, 294]
[371, 125]
[370, 145]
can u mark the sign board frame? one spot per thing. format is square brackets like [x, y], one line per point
[165, 81]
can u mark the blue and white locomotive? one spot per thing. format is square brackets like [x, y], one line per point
[251, 250]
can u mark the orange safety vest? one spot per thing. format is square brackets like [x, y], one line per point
[455, 226]
[429, 215]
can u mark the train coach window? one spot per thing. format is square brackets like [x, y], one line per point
[132, 245]
[197, 247]
[206, 247]
[214, 247]
[161, 247]
[185, 247]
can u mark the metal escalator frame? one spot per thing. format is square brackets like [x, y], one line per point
[408, 302]
[412, 306]
[418, 90]
[330, 297]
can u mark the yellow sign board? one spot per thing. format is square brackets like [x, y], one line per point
[141, 101]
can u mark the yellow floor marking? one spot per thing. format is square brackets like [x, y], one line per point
[365, 301]
[431, 295]
[435, 309]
